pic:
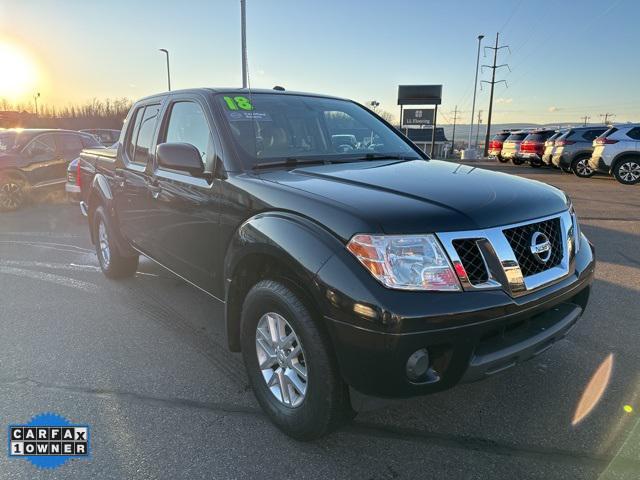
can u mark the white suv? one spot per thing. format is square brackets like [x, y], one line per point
[617, 152]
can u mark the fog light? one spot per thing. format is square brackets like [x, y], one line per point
[418, 365]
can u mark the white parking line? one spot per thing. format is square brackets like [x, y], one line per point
[51, 278]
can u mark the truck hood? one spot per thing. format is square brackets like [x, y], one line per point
[420, 196]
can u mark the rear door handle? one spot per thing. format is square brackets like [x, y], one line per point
[119, 179]
[154, 189]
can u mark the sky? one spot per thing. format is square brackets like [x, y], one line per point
[568, 59]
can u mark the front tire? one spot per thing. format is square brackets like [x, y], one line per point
[113, 264]
[581, 168]
[627, 171]
[290, 363]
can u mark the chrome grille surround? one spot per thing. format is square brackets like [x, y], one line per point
[503, 269]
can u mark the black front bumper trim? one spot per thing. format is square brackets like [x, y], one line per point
[539, 334]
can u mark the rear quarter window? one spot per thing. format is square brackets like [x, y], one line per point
[634, 133]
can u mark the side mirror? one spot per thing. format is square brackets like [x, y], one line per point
[180, 156]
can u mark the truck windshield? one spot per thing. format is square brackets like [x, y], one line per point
[267, 128]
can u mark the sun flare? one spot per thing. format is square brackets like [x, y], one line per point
[19, 73]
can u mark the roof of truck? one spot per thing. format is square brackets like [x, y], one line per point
[239, 91]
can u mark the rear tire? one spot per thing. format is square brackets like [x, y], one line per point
[113, 264]
[306, 406]
[517, 161]
[535, 163]
[627, 171]
[501, 159]
[580, 166]
[13, 193]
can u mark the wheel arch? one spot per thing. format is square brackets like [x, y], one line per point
[621, 157]
[279, 246]
[14, 173]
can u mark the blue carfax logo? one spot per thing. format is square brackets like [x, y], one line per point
[49, 440]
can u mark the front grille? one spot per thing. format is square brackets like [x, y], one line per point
[520, 240]
[472, 260]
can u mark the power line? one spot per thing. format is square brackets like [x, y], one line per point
[493, 82]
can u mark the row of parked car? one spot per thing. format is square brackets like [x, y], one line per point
[613, 150]
[33, 159]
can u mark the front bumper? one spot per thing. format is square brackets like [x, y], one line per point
[530, 157]
[599, 165]
[73, 191]
[469, 335]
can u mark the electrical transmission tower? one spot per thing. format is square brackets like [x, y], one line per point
[453, 135]
[606, 117]
[478, 128]
[586, 119]
[493, 82]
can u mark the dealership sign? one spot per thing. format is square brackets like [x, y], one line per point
[419, 94]
[417, 116]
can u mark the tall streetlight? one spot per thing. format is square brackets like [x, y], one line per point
[475, 89]
[166, 52]
[243, 33]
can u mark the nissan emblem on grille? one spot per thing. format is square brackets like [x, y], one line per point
[540, 247]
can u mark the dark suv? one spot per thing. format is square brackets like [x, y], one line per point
[573, 149]
[36, 158]
[344, 257]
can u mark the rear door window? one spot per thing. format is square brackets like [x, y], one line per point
[70, 143]
[141, 135]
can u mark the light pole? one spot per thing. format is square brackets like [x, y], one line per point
[475, 89]
[243, 33]
[166, 52]
[35, 100]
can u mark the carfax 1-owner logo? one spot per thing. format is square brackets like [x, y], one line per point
[49, 440]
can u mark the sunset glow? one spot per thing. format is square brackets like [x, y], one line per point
[20, 75]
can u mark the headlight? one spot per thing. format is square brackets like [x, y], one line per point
[405, 262]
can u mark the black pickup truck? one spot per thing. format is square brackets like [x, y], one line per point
[346, 259]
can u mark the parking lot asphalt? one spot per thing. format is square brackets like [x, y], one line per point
[144, 363]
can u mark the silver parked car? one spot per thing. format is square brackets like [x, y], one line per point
[511, 146]
[617, 152]
[572, 150]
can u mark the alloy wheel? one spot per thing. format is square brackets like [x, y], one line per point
[11, 195]
[629, 171]
[281, 359]
[583, 169]
[103, 241]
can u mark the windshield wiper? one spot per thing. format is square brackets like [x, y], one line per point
[382, 156]
[289, 162]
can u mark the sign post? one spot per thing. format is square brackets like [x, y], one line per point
[420, 95]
